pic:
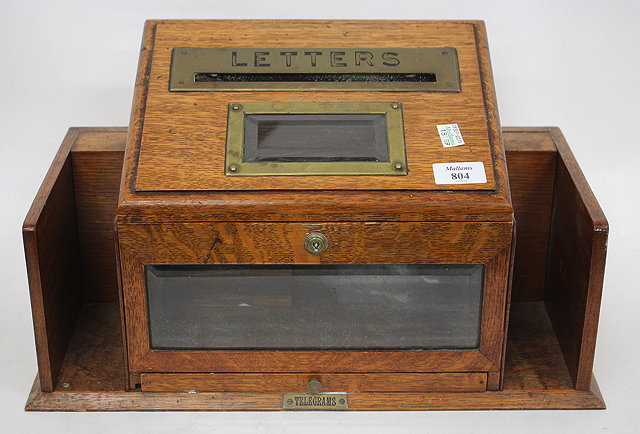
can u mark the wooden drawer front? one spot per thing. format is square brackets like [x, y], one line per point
[365, 243]
[486, 243]
[331, 382]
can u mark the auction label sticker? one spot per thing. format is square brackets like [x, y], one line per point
[459, 173]
[450, 135]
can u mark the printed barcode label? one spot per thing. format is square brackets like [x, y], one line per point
[459, 173]
[450, 135]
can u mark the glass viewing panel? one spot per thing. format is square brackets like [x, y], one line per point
[315, 138]
[314, 307]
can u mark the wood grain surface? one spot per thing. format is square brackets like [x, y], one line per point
[534, 358]
[363, 401]
[314, 206]
[319, 205]
[530, 153]
[96, 158]
[535, 377]
[495, 311]
[531, 158]
[51, 251]
[272, 243]
[283, 243]
[183, 140]
[94, 360]
[575, 265]
[331, 382]
[533, 361]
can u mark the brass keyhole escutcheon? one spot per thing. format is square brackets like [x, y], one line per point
[316, 243]
[314, 386]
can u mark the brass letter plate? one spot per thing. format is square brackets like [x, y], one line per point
[287, 69]
[315, 401]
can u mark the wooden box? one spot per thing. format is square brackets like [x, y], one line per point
[361, 281]
[180, 205]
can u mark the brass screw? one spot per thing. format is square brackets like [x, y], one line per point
[233, 168]
[236, 107]
[341, 401]
[289, 401]
[398, 166]
[395, 106]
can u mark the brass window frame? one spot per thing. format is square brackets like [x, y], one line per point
[234, 165]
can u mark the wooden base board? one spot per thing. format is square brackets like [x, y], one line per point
[92, 377]
[150, 401]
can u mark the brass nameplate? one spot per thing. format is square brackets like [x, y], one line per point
[315, 401]
[282, 69]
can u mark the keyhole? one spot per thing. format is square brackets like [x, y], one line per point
[316, 243]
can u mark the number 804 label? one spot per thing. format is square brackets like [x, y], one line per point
[459, 173]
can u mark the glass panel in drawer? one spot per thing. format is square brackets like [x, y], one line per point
[311, 307]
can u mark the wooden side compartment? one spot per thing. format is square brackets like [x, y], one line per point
[51, 250]
[562, 241]
[575, 265]
[69, 241]
[557, 283]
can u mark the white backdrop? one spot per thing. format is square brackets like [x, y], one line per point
[572, 64]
